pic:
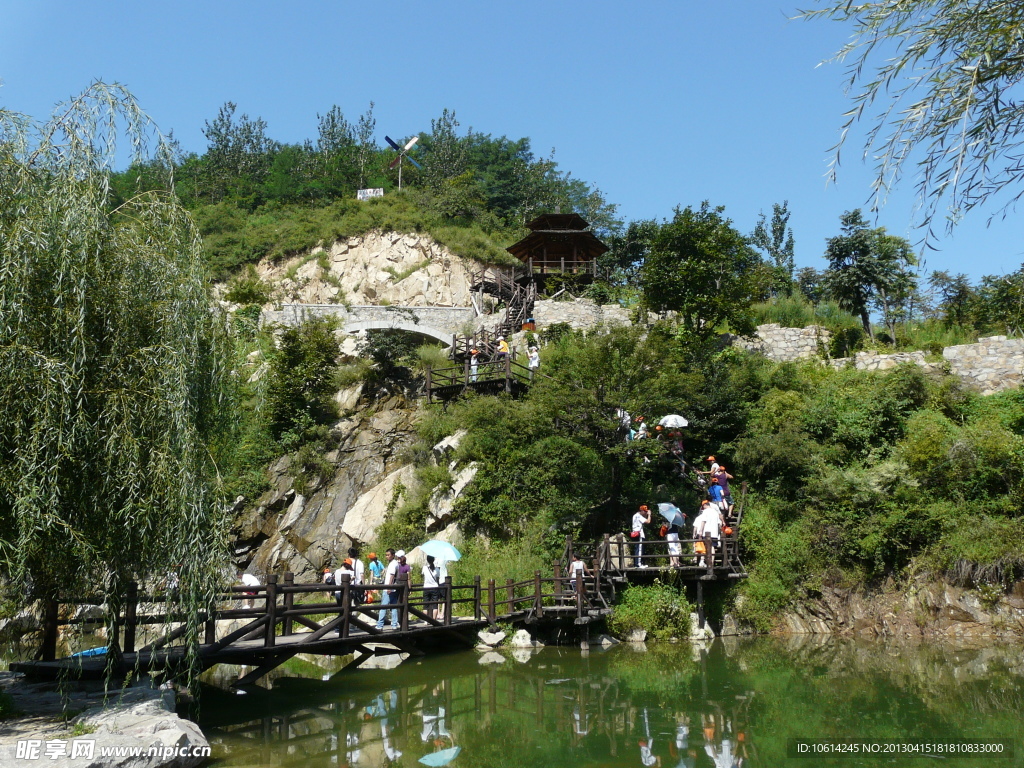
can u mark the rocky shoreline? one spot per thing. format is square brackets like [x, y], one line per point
[83, 726]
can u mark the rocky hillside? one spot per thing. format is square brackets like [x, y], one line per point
[376, 268]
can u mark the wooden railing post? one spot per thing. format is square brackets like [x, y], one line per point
[568, 548]
[538, 599]
[447, 600]
[346, 604]
[477, 598]
[289, 600]
[558, 582]
[622, 553]
[270, 638]
[405, 597]
[48, 651]
[606, 556]
[510, 590]
[597, 578]
[581, 587]
[211, 629]
[131, 606]
[427, 383]
[491, 615]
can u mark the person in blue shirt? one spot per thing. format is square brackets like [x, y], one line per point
[716, 494]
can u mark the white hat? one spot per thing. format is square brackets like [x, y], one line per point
[501, 338]
[400, 553]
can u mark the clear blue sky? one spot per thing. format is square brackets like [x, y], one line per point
[657, 103]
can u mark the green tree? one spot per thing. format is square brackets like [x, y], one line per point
[776, 241]
[239, 156]
[301, 379]
[866, 268]
[112, 362]
[955, 297]
[946, 72]
[702, 268]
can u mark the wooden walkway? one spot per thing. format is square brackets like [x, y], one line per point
[284, 618]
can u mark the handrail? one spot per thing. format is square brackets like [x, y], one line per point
[275, 613]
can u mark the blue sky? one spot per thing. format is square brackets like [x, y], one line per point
[657, 103]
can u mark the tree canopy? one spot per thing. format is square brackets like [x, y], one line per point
[946, 73]
[111, 361]
[699, 266]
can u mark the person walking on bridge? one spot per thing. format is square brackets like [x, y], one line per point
[387, 596]
[640, 517]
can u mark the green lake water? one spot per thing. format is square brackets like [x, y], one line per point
[737, 703]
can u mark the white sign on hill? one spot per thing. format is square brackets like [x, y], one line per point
[366, 194]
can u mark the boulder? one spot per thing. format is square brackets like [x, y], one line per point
[490, 639]
[696, 633]
[606, 640]
[636, 636]
[522, 639]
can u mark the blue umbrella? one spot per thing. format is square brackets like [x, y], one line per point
[671, 513]
[440, 550]
[443, 757]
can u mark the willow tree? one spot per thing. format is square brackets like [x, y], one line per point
[112, 389]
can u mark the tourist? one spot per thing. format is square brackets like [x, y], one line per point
[625, 424]
[715, 493]
[474, 363]
[431, 587]
[641, 516]
[387, 596]
[442, 580]
[713, 470]
[376, 576]
[360, 571]
[723, 482]
[675, 549]
[708, 526]
[502, 348]
[533, 361]
[641, 429]
[248, 580]
[578, 571]
[345, 569]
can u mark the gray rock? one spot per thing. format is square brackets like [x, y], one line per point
[522, 639]
[606, 640]
[491, 639]
[636, 636]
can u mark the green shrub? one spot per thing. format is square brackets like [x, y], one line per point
[660, 609]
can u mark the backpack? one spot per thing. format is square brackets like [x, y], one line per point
[329, 578]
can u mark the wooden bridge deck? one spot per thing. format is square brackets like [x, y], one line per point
[285, 618]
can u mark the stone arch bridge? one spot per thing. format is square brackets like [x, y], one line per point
[441, 323]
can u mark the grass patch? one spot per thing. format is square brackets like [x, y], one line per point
[400, 276]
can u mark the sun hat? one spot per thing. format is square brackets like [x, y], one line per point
[475, 351]
[711, 458]
[400, 553]
[372, 555]
[348, 561]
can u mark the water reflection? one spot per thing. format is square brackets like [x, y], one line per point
[729, 706]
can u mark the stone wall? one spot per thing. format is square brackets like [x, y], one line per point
[876, 361]
[785, 344]
[581, 314]
[993, 364]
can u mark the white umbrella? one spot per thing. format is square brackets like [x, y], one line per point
[674, 421]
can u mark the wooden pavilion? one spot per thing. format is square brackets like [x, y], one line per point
[559, 243]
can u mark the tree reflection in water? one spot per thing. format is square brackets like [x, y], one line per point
[733, 704]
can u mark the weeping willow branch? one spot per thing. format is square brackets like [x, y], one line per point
[946, 76]
[113, 384]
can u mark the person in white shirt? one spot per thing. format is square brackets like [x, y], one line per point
[533, 361]
[431, 591]
[708, 526]
[359, 595]
[643, 515]
[390, 576]
[577, 573]
[249, 580]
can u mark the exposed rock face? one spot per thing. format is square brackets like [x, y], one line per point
[285, 531]
[377, 268]
[920, 609]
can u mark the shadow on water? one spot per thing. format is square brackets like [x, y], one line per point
[736, 703]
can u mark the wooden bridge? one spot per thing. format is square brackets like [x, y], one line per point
[285, 618]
